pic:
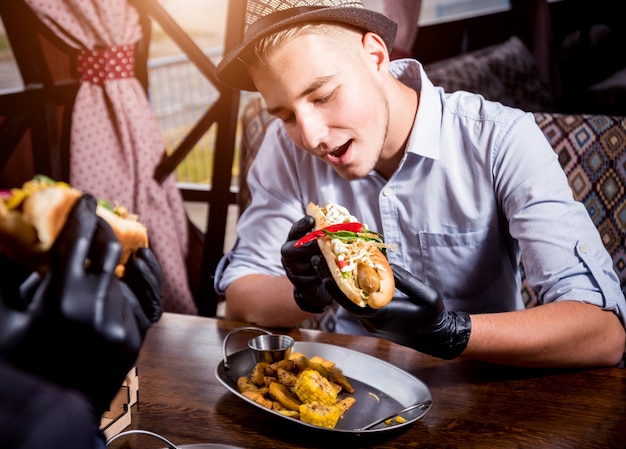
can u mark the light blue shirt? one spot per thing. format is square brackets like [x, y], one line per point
[479, 186]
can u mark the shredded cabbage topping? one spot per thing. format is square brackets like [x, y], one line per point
[336, 214]
[352, 251]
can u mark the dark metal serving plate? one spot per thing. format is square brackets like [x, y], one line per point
[381, 389]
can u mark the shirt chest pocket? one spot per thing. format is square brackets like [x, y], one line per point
[464, 265]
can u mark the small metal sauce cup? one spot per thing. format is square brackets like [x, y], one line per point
[271, 348]
[268, 347]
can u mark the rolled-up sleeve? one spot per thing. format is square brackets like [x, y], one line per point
[563, 254]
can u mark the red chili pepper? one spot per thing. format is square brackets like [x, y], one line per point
[351, 227]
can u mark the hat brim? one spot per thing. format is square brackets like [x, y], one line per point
[233, 72]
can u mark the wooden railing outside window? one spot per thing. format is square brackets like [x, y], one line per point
[36, 118]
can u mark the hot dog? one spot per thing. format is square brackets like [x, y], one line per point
[354, 255]
[32, 216]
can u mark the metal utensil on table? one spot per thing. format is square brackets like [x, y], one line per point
[170, 445]
[423, 405]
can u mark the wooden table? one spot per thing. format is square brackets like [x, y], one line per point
[475, 404]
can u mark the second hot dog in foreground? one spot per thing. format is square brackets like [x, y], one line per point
[31, 218]
[353, 254]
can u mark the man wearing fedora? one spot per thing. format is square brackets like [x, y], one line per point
[460, 187]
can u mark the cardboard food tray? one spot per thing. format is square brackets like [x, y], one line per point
[118, 417]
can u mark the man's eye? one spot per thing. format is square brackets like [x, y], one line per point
[284, 117]
[288, 119]
[326, 98]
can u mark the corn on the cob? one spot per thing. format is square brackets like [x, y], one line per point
[320, 414]
[282, 386]
[311, 386]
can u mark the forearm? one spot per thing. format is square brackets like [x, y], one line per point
[563, 334]
[263, 300]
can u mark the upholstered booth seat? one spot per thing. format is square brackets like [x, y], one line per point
[505, 72]
[592, 152]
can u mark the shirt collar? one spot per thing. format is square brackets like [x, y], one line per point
[425, 135]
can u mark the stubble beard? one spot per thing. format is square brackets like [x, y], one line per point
[377, 150]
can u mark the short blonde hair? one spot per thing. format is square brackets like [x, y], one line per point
[263, 47]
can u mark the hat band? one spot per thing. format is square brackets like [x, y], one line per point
[278, 16]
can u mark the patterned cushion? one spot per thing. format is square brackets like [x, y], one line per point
[592, 152]
[505, 72]
[466, 73]
[254, 121]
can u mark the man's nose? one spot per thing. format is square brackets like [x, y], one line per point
[312, 130]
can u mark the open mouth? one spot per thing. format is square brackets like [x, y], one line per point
[341, 150]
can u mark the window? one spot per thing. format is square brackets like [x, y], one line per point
[445, 10]
[434, 11]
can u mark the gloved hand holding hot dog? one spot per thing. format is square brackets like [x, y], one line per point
[347, 265]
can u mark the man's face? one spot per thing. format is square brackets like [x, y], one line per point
[330, 99]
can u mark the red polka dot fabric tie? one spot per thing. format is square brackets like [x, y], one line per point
[99, 65]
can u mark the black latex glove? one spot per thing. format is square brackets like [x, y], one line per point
[420, 321]
[17, 314]
[144, 277]
[304, 267]
[88, 325]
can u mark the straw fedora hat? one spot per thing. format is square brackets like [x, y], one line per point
[267, 16]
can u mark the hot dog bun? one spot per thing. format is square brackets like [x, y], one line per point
[367, 278]
[131, 234]
[31, 218]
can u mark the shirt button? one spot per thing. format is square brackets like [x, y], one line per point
[387, 191]
[584, 248]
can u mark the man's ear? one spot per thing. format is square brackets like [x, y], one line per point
[375, 48]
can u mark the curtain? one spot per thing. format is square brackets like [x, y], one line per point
[115, 140]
